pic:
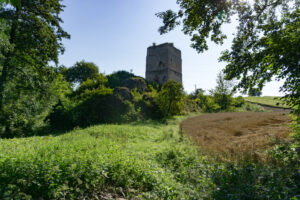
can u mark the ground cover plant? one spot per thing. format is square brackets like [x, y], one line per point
[149, 160]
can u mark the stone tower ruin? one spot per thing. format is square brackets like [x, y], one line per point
[163, 63]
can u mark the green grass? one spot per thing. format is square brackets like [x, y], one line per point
[267, 100]
[148, 160]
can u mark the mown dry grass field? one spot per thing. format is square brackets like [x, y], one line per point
[237, 134]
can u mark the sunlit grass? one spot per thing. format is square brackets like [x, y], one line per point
[144, 159]
[267, 100]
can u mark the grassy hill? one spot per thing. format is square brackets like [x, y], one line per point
[267, 100]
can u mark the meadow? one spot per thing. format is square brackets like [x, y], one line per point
[149, 160]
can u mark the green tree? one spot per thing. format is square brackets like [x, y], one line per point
[266, 44]
[15, 3]
[27, 83]
[82, 71]
[223, 92]
[169, 99]
[119, 78]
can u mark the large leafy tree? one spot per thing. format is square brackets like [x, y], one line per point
[28, 86]
[81, 71]
[267, 43]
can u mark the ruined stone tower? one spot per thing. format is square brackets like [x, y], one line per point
[163, 63]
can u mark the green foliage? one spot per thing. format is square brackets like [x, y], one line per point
[102, 106]
[194, 94]
[169, 99]
[81, 72]
[28, 86]
[15, 3]
[141, 160]
[238, 101]
[207, 103]
[118, 79]
[147, 106]
[95, 103]
[97, 82]
[26, 109]
[223, 92]
[269, 50]
[255, 92]
[266, 45]
[190, 106]
[86, 163]
[200, 19]
[253, 107]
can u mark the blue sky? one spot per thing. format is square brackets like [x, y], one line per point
[115, 34]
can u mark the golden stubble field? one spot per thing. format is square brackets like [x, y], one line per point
[237, 134]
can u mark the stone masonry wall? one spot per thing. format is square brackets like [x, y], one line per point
[163, 63]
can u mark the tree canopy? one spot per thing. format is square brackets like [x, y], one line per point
[82, 71]
[29, 87]
[266, 44]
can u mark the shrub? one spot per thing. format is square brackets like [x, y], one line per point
[190, 105]
[238, 101]
[207, 103]
[81, 71]
[253, 107]
[118, 79]
[148, 108]
[169, 99]
[225, 101]
[102, 106]
[26, 106]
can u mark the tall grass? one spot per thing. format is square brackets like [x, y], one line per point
[146, 160]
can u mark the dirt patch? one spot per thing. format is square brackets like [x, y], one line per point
[237, 134]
